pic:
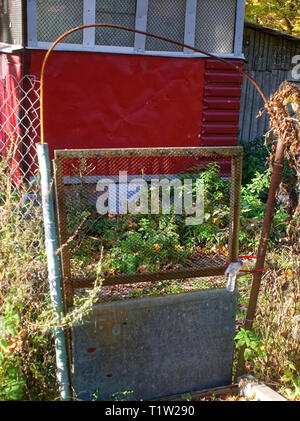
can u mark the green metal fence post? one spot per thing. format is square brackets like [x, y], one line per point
[54, 270]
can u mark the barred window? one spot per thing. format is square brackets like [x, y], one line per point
[214, 26]
[167, 19]
[11, 22]
[118, 12]
[57, 16]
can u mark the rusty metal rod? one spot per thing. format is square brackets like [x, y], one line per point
[235, 206]
[264, 239]
[124, 28]
[195, 151]
[167, 275]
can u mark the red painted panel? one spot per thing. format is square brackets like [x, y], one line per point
[97, 100]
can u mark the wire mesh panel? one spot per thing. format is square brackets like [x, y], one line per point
[11, 22]
[144, 215]
[215, 22]
[166, 19]
[118, 13]
[54, 17]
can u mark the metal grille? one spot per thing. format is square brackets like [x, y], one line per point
[215, 22]
[137, 245]
[11, 23]
[54, 17]
[118, 13]
[19, 131]
[166, 19]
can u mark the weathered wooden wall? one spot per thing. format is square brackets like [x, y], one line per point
[268, 56]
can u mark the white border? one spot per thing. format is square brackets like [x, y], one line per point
[141, 25]
[88, 44]
[239, 27]
[31, 23]
[127, 50]
[190, 25]
[10, 48]
[89, 16]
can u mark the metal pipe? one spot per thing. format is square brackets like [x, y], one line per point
[54, 270]
[235, 205]
[264, 239]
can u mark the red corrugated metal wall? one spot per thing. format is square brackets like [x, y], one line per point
[221, 104]
[97, 100]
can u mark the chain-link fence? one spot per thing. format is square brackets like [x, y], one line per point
[19, 132]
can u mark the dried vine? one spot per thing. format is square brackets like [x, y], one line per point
[284, 110]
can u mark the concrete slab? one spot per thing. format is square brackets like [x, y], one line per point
[156, 346]
[251, 388]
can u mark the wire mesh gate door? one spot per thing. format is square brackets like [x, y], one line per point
[142, 215]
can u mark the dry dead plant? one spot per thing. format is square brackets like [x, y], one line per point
[284, 111]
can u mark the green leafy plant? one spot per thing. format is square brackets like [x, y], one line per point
[122, 395]
[283, 16]
[254, 196]
[186, 397]
[214, 230]
[292, 381]
[11, 376]
[96, 395]
[255, 154]
[143, 243]
[253, 346]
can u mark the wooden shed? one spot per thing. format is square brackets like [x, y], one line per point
[270, 57]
